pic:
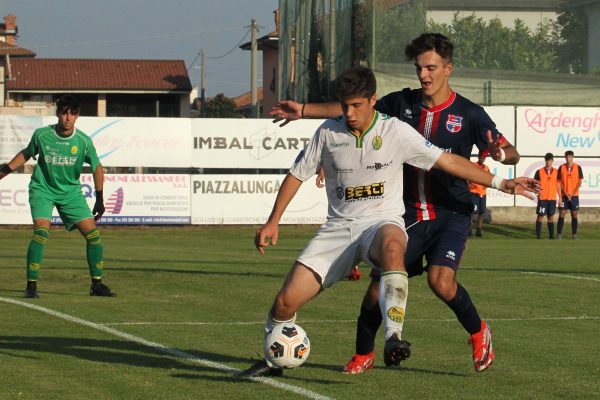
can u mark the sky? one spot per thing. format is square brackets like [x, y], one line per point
[148, 29]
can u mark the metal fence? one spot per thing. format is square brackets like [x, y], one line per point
[519, 53]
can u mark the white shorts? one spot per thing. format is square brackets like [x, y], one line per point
[340, 245]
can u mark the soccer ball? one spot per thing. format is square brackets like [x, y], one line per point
[287, 346]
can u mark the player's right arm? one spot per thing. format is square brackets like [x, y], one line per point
[290, 110]
[269, 232]
[17, 161]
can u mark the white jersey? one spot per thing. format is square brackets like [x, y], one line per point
[363, 176]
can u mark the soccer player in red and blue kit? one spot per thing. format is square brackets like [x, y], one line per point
[438, 205]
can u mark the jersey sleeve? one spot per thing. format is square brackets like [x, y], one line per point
[537, 175]
[580, 172]
[559, 175]
[416, 150]
[90, 156]
[33, 147]
[309, 160]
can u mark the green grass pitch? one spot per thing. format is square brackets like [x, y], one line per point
[191, 302]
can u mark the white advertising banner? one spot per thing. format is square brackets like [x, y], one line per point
[248, 199]
[14, 200]
[248, 143]
[15, 133]
[139, 142]
[558, 129]
[504, 118]
[128, 199]
[589, 192]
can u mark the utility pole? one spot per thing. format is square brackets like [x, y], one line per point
[253, 71]
[202, 80]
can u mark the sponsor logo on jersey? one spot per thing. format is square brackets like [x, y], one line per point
[377, 166]
[454, 123]
[60, 160]
[362, 192]
[74, 150]
[377, 142]
[342, 170]
[336, 145]
[396, 314]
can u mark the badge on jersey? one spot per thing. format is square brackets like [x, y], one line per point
[377, 142]
[454, 123]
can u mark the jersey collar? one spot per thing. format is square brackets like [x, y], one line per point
[360, 138]
[445, 104]
[62, 137]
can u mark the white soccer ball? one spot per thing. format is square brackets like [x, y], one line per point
[287, 346]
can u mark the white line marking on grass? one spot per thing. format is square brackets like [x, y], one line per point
[353, 321]
[585, 278]
[162, 348]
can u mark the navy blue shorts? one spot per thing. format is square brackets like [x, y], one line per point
[438, 242]
[572, 205]
[478, 203]
[546, 207]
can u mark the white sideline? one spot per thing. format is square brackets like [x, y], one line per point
[584, 278]
[174, 352]
[351, 321]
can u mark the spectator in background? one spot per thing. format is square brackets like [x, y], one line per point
[548, 177]
[570, 177]
[478, 196]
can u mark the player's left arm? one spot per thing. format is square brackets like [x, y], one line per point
[463, 168]
[98, 209]
[501, 150]
[580, 180]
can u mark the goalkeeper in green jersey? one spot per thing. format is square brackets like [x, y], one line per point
[61, 150]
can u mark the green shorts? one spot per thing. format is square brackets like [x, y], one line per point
[71, 208]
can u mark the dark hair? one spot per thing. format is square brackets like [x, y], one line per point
[356, 81]
[549, 156]
[68, 103]
[430, 41]
[569, 153]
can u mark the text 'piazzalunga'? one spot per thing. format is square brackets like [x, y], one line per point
[230, 186]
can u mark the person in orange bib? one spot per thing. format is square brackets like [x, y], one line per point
[478, 195]
[570, 177]
[546, 206]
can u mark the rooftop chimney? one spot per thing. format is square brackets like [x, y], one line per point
[10, 28]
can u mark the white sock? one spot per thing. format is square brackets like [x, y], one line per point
[271, 322]
[393, 292]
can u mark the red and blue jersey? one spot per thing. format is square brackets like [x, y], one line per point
[455, 126]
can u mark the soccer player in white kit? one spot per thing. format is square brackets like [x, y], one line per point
[362, 153]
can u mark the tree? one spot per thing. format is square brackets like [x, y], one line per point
[219, 106]
[571, 41]
[481, 44]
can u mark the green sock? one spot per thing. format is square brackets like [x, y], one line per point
[95, 253]
[35, 253]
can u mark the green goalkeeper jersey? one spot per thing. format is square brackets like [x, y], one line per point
[60, 161]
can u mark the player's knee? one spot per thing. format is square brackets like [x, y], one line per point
[443, 288]
[393, 248]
